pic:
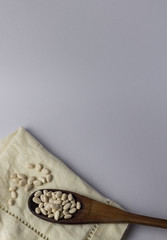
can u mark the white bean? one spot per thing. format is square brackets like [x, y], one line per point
[43, 211]
[58, 194]
[73, 205]
[14, 194]
[78, 205]
[22, 176]
[73, 210]
[64, 196]
[49, 178]
[39, 167]
[57, 201]
[56, 215]
[45, 171]
[47, 207]
[54, 206]
[37, 183]
[37, 194]
[37, 210]
[65, 212]
[49, 212]
[22, 182]
[45, 192]
[64, 202]
[70, 197]
[42, 197]
[11, 202]
[36, 200]
[41, 205]
[51, 200]
[49, 194]
[72, 201]
[67, 206]
[68, 216]
[53, 195]
[28, 187]
[51, 215]
[42, 179]
[31, 179]
[12, 188]
[45, 198]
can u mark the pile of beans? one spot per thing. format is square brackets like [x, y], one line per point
[28, 182]
[56, 204]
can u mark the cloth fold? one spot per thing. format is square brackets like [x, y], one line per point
[17, 222]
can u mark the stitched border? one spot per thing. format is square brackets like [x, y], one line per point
[89, 237]
[25, 223]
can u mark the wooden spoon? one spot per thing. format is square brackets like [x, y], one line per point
[93, 211]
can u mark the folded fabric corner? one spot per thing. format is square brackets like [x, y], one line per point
[16, 222]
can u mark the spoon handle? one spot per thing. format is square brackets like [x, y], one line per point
[116, 215]
[144, 220]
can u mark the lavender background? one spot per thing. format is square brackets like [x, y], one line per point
[89, 80]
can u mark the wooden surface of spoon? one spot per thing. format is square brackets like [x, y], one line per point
[93, 211]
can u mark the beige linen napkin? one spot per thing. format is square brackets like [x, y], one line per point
[17, 222]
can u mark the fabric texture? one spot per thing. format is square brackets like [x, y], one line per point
[17, 222]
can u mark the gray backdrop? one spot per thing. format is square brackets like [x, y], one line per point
[89, 80]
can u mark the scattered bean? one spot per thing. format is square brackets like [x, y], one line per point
[31, 179]
[37, 183]
[22, 182]
[14, 194]
[45, 171]
[49, 178]
[13, 188]
[11, 202]
[39, 167]
[28, 187]
[22, 176]
[42, 179]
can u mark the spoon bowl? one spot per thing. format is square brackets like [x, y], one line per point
[93, 211]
